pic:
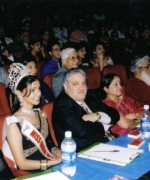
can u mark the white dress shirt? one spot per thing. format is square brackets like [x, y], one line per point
[104, 120]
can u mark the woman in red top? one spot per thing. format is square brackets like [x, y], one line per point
[113, 95]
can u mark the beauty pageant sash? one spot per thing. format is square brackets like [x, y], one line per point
[35, 136]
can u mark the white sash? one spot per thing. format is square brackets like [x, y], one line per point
[35, 136]
[30, 132]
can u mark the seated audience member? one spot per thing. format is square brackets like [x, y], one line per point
[81, 52]
[52, 65]
[100, 59]
[69, 60]
[5, 57]
[138, 87]
[117, 48]
[113, 95]
[45, 40]
[26, 26]
[18, 141]
[116, 27]
[143, 43]
[79, 34]
[47, 94]
[23, 44]
[102, 35]
[60, 32]
[3, 76]
[36, 52]
[6, 41]
[79, 111]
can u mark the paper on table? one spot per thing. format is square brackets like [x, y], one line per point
[123, 157]
[52, 175]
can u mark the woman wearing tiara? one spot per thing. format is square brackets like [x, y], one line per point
[27, 141]
[47, 94]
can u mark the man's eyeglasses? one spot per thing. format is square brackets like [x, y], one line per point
[72, 58]
[146, 67]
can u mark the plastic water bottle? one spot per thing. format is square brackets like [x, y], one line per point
[68, 148]
[145, 123]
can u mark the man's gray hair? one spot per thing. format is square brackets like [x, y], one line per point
[137, 62]
[71, 72]
[65, 53]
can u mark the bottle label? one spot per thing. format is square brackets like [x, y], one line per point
[68, 158]
[145, 128]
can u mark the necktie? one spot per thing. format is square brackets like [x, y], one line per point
[86, 108]
[108, 134]
[58, 65]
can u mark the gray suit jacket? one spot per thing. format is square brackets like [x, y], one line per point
[57, 81]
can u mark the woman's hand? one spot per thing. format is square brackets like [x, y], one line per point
[132, 116]
[94, 64]
[57, 153]
[125, 122]
[42, 51]
[90, 117]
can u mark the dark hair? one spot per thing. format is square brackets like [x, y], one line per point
[24, 31]
[113, 33]
[43, 31]
[26, 22]
[80, 45]
[51, 44]
[26, 58]
[144, 29]
[21, 86]
[105, 82]
[96, 43]
[34, 41]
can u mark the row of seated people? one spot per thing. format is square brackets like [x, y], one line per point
[52, 64]
[94, 78]
[93, 74]
[51, 106]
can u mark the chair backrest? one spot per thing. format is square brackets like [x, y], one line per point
[47, 108]
[4, 109]
[94, 77]
[48, 79]
[39, 66]
[117, 69]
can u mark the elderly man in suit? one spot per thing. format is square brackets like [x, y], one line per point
[69, 60]
[79, 111]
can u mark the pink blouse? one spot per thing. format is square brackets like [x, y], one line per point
[127, 105]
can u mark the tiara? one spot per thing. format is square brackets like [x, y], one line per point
[17, 71]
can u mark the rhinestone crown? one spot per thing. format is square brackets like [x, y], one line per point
[17, 71]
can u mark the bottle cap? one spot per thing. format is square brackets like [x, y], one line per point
[68, 134]
[146, 106]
